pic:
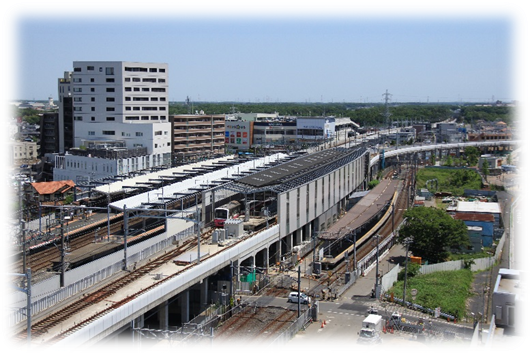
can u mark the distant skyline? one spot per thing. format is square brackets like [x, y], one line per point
[282, 59]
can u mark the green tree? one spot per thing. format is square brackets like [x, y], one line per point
[472, 154]
[485, 168]
[433, 232]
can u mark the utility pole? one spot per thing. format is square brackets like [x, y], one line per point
[376, 288]
[407, 242]
[299, 300]
[61, 278]
[22, 224]
[125, 233]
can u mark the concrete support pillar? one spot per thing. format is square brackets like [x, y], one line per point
[137, 323]
[266, 260]
[298, 236]
[163, 315]
[288, 243]
[185, 306]
[204, 294]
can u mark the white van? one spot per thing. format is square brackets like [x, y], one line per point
[293, 298]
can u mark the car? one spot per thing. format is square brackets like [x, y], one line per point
[293, 298]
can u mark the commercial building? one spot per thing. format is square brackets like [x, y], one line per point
[113, 106]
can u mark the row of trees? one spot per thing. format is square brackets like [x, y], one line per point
[471, 114]
[362, 113]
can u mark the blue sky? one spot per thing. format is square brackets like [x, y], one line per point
[245, 58]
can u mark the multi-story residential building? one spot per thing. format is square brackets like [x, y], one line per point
[24, 152]
[49, 133]
[114, 106]
[65, 120]
[197, 136]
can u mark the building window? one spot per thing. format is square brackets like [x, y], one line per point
[78, 89]
[109, 71]
[161, 80]
[128, 99]
[77, 80]
[110, 89]
[139, 133]
[152, 69]
[90, 68]
[108, 132]
[93, 109]
[127, 79]
[158, 90]
[78, 109]
[127, 108]
[109, 80]
[110, 109]
[132, 118]
[91, 133]
[158, 133]
[78, 99]
[110, 118]
[128, 89]
[92, 89]
[77, 69]
[161, 70]
[136, 79]
[92, 118]
[110, 99]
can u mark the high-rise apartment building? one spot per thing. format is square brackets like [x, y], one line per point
[118, 106]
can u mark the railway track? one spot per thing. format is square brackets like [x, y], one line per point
[333, 277]
[42, 259]
[41, 327]
[234, 326]
[270, 330]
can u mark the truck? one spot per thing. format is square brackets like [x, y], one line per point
[371, 330]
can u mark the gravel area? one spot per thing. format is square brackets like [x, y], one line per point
[254, 323]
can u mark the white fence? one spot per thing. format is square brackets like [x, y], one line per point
[48, 293]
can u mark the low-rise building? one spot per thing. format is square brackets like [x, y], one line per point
[24, 152]
[508, 299]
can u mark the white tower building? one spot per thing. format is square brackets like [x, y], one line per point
[117, 105]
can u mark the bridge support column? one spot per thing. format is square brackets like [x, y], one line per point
[298, 236]
[204, 294]
[185, 306]
[137, 323]
[163, 315]
[288, 244]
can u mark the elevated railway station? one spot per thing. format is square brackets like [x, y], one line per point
[298, 196]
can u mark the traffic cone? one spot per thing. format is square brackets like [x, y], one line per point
[322, 324]
[384, 329]
[325, 322]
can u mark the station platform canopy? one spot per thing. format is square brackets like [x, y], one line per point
[189, 186]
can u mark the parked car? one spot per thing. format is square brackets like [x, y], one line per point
[293, 298]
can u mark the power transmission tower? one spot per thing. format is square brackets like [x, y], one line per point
[387, 114]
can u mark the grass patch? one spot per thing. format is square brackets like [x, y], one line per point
[448, 290]
[449, 180]
[486, 252]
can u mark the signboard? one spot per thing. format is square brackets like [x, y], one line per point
[238, 134]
